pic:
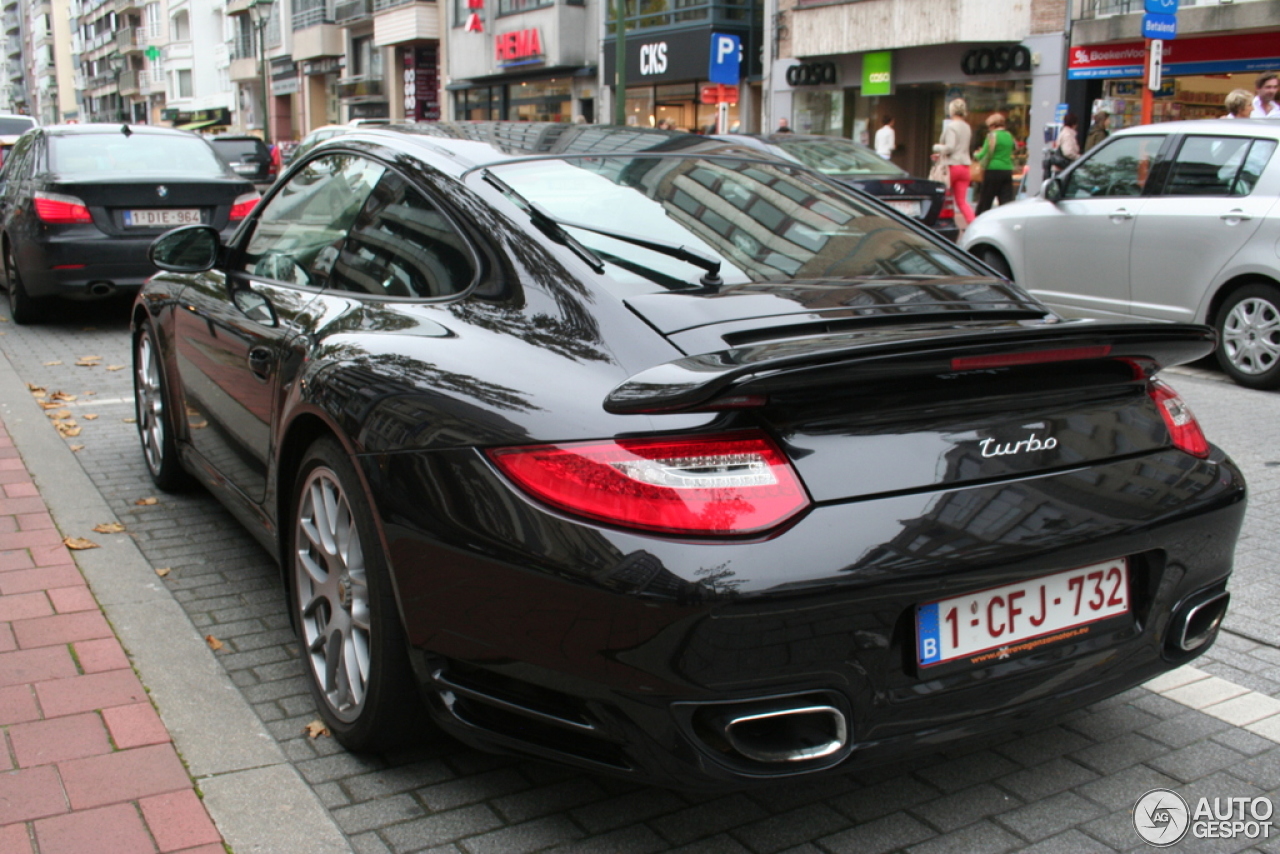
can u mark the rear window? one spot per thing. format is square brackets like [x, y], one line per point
[838, 157]
[15, 125]
[134, 154]
[235, 149]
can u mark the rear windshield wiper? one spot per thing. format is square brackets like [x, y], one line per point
[671, 250]
[545, 222]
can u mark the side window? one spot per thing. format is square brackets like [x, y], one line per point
[1119, 168]
[15, 161]
[297, 235]
[403, 246]
[1252, 165]
[1207, 166]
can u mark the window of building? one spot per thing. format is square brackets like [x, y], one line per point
[180, 27]
[366, 58]
[181, 85]
[510, 7]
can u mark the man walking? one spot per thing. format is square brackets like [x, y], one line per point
[1264, 102]
[886, 139]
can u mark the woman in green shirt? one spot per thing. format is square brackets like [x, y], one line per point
[997, 149]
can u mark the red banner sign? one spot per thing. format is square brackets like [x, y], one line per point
[514, 46]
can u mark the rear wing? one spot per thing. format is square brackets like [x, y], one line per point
[712, 380]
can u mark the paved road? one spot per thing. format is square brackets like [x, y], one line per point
[1212, 730]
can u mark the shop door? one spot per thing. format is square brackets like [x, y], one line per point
[1205, 214]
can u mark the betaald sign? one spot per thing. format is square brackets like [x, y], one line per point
[877, 73]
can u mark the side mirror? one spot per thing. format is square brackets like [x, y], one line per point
[1052, 189]
[187, 249]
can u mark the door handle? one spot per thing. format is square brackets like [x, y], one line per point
[261, 362]
[1235, 216]
[1121, 213]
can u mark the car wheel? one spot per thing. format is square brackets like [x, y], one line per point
[151, 405]
[22, 307]
[353, 646]
[1249, 336]
[993, 259]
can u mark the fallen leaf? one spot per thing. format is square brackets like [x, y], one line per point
[315, 729]
[62, 395]
[129, 420]
[94, 358]
[67, 429]
[49, 404]
[90, 418]
[109, 528]
[198, 425]
[60, 415]
[79, 543]
[54, 362]
[214, 643]
[163, 571]
[34, 388]
[116, 367]
[89, 361]
[77, 447]
[192, 411]
[147, 502]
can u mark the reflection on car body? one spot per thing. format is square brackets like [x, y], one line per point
[636, 452]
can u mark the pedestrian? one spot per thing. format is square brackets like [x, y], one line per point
[997, 153]
[952, 151]
[886, 139]
[664, 123]
[1066, 149]
[1098, 129]
[1264, 101]
[1239, 104]
[783, 126]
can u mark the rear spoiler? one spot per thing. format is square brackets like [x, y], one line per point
[706, 381]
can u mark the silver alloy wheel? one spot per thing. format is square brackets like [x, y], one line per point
[1251, 336]
[332, 594]
[150, 403]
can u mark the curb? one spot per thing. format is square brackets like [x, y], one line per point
[255, 796]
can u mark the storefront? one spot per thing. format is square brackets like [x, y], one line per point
[666, 72]
[1198, 74]
[849, 95]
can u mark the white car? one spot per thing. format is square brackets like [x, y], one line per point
[1177, 221]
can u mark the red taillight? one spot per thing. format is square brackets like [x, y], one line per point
[1184, 430]
[948, 207]
[727, 484]
[1030, 357]
[61, 210]
[244, 205]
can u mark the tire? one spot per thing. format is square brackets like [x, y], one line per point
[151, 406]
[1248, 327]
[993, 259]
[22, 307]
[354, 650]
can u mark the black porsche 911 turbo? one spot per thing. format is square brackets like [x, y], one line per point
[642, 453]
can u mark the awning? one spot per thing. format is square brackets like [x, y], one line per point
[195, 125]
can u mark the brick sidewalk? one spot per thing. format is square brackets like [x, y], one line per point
[85, 762]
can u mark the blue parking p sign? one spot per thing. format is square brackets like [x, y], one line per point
[724, 64]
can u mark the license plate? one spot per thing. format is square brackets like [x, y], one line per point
[910, 208]
[161, 218]
[245, 168]
[1001, 621]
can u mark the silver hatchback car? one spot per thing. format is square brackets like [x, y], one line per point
[1177, 221]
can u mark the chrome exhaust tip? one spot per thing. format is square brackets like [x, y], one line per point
[101, 289]
[1196, 621]
[787, 735]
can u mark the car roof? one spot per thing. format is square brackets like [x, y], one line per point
[231, 137]
[468, 145]
[112, 127]
[1200, 127]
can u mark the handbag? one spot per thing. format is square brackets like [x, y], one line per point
[1056, 159]
[977, 169]
[940, 172]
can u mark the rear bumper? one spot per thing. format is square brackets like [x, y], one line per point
[551, 637]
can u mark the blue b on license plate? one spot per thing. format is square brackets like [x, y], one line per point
[995, 623]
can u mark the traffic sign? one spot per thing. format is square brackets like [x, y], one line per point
[719, 94]
[1157, 65]
[726, 52]
[1159, 26]
[1161, 7]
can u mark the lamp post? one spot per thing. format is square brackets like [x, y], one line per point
[260, 10]
[117, 63]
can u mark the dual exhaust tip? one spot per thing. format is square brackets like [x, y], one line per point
[1196, 621]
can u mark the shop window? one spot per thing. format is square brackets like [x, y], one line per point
[1119, 168]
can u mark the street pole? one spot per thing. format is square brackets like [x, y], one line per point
[620, 66]
[262, 48]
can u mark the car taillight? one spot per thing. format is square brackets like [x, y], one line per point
[61, 210]
[738, 483]
[244, 205]
[948, 207]
[1184, 430]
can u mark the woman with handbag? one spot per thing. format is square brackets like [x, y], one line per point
[996, 158]
[1066, 150]
[952, 154]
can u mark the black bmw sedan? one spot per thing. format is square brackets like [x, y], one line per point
[860, 167]
[80, 204]
[637, 452]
